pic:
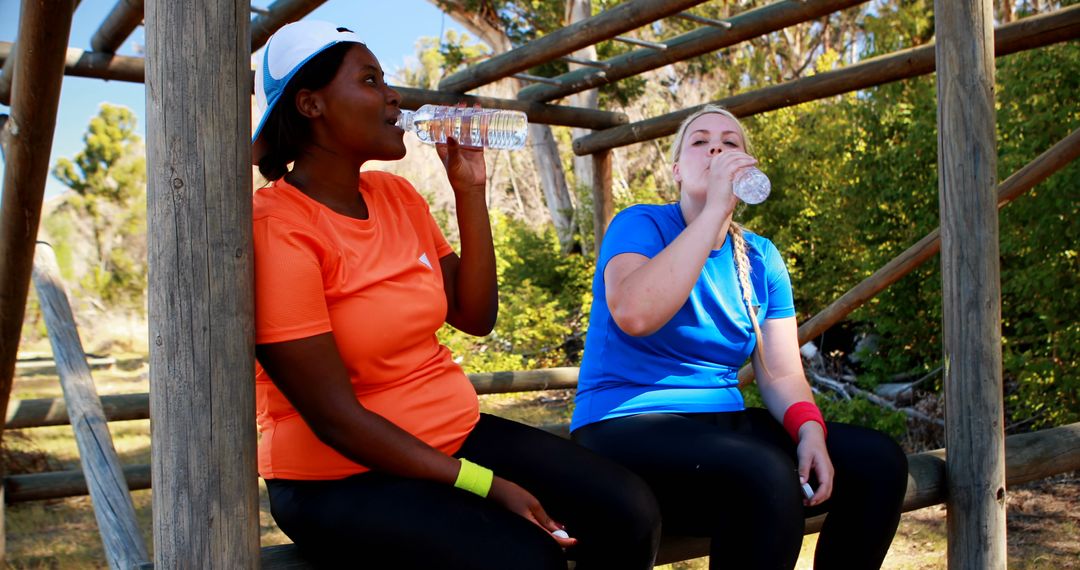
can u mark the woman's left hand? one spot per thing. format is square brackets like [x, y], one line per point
[465, 166]
[813, 456]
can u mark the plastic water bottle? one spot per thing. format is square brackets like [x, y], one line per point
[752, 186]
[479, 128]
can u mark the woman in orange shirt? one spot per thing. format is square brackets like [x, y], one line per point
[372, 445]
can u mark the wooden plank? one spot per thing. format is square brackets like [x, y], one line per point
[113, 508]
[202, 398]
[971, 284]
[564, 41]
[27, 135]
[1046, 164]
[1035, 31]
[117, 26]
[603, 202]
[744, 26]
[278, 14]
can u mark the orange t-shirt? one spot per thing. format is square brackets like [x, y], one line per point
[377, 285]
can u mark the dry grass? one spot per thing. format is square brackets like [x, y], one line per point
[1043, 533]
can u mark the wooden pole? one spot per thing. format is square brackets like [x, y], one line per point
[113, 509]
[43, 33]
[603, 203]
[202, 398]
[118, 25]
[1036, 31]
[971, 284]
[564, 41]
[7, 75]
[744, 26]
[1046, 164]
[278, 14]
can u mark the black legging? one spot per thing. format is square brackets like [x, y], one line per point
[373, 519]
[732, 477]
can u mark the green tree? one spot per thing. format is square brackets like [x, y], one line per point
[108, 198]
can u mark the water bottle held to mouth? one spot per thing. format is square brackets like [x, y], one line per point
[751, 186]
[496, 129]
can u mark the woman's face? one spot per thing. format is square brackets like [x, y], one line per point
[705, 137]
[357, 110]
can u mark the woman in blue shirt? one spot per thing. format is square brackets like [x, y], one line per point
[682, 296]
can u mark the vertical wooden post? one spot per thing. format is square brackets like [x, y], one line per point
[603, 204]
[202, 399]
[28, 134]
[113, 509]
[971, 285]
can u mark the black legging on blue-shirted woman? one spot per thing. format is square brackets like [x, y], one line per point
[732, 477]
[375, 520]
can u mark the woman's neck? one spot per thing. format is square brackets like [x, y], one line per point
[330, 180]
[692, 208]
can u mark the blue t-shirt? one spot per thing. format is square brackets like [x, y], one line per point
[690, 364]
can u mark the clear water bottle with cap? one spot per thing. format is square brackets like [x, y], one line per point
[496, 129]
[751, 186]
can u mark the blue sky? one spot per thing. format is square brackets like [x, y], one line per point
[390, 29]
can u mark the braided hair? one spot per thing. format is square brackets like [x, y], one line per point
[739, 247]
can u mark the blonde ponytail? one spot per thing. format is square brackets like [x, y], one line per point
[742, 269]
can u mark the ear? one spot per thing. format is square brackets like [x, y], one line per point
[309, 103]
[675, 173]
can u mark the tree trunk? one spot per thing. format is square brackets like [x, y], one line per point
[577, 10]
[486, 25]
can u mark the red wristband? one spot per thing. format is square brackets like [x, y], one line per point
[798, 414]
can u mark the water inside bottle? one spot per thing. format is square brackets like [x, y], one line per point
[478, 128]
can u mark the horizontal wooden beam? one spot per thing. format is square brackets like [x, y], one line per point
[1046, 164]
[745, 26]
[607, 24]
[96, 65]
[41, 412]
[82, 63]
[277, 15]
[117, 26]
[1036, 31]
[60, 484]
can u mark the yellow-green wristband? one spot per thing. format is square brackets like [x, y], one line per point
[474, 478]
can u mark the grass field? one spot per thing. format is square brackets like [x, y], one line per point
[1043, 532]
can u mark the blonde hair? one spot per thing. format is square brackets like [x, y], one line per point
[739, 246]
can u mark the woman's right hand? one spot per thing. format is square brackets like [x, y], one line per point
[724, 167]
[522, 502]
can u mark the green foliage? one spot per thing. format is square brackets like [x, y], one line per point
[855, 184]
[108, 180]
[544, 298]
[437, 59]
